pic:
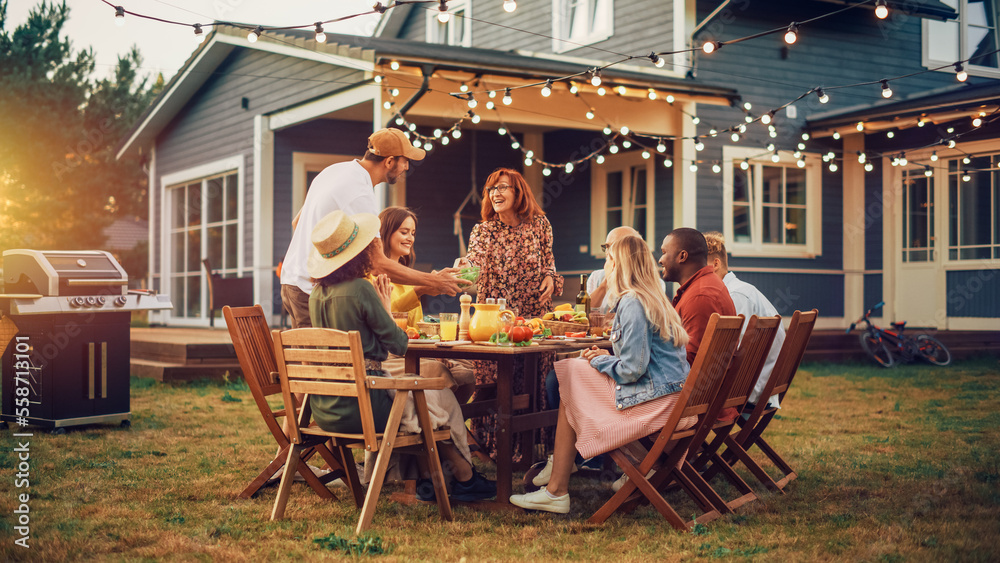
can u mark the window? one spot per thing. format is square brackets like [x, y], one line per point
[974, 208]
[771, 208]
[581, 22]
[204, 223]
[972, 36]
[458, 29]
[622, 194]
[918, 217]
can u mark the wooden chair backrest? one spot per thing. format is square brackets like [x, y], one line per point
[716, 350]
[324, 361]
[796, 340]
[255, 352]
[750, 357]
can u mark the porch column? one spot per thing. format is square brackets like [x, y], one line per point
[854, 227]
[533, 174]
[263, 217]
[685, 181]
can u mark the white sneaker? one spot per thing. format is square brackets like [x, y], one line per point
[299, 478]
[539, 500]
[620, 482]
[545, 475]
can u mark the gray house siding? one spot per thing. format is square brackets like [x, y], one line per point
[974, 293]
[214, 125]
[789, 292]
[567, 199]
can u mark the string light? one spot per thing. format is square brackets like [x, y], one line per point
[861, 126]
[966, 160]
[569, 167]
[624, 130]
[889, 134]
[490, 105]
[667, 163]
[823, 98]
[656, 60]
[934, 156]
[792, 34]
[600, 159]
[199, 35]
[977, 121]
[886, 91]
[590, 114]
[443, 15]
[660, 147]
[928, 171]
[377, 79]
[320, 36]
[767, 117]
[960, 73]
[699, 146]
[646, 155]
[254, 35]
[595, 80]
[626, 144]
[869, 167]
[613, 149]
[573, 88]
[747, 106]
[745, 165]
[607, 130]
[881, 10]
[710, 47]
[601, 91]
[735, 137]
[119, 16]
[801, 163]
[716, 168]
[509, 6]
[695, 119]
[833, 167]
[652, 94]
[621, 90]
[693, 167]
[507, 100]
[472, 102]
[547, 89]
[836, 135]
[394, 65]
[965, 176]
[546, 171]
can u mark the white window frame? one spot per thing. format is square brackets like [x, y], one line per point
[963, 49]
[947, 175]
[602, 29]
[930, 246]
[183, 178]
[433, 26]
[621, 162]
[731, 156]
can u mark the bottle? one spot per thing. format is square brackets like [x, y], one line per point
[583, 298]
[502, 302]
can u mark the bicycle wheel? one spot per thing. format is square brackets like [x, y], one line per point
[933, 351]
[874, 347]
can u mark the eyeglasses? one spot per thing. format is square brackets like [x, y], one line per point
[605, 247]
[500, 188]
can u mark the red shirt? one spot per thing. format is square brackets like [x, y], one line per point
[695, 302]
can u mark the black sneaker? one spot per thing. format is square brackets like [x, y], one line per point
[476, 488]
[425, 490]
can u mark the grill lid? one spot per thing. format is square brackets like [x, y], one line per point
[63, 272]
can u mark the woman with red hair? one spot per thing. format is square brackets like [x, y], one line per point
[513, 248]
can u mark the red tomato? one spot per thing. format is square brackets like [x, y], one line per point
[520, 334]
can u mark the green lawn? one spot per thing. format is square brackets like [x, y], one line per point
[894, 465]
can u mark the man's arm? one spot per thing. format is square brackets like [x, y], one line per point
[436, 284]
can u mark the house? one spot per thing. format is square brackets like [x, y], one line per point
[236, 136]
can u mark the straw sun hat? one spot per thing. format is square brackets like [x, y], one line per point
[337, 238]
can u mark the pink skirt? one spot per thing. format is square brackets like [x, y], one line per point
[589, 399]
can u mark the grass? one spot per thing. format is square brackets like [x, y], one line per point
[894, 465]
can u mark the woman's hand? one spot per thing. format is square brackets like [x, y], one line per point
[546, 289]
[384, 289]
[593, 352]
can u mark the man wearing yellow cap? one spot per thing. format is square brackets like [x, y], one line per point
[349, 187]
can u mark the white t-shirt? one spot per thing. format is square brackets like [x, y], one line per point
[346, 186]
[595, 280]
[750, 301]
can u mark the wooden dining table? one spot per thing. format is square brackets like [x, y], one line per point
[529, 417]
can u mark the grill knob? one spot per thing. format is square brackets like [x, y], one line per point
[120, 301]
[100, 300]
[75, 302]
[91, 301]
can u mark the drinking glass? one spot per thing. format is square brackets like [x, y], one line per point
[449, 326]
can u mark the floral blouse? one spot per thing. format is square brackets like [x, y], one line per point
[513, 262]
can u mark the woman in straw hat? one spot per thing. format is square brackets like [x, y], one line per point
[340, 262]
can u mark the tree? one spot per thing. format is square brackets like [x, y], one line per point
[59, 182]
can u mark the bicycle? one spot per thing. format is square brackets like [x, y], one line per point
[889, 347]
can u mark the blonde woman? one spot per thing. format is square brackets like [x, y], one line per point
[607, 401]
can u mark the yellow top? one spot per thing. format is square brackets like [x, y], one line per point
[405, 299]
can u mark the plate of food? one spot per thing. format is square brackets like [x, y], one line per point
[586, 338]
[450, 343]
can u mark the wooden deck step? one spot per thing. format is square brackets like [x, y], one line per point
[168, 371]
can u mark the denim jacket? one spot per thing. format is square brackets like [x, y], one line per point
[645, 366]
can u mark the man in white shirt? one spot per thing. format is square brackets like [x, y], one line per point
[349, 187]
[749, 301]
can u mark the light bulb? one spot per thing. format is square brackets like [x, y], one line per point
[515, 145]
[472, 102]
[668, 163]
[528, 161]
[320, 35]
[457, 133]
[735, 137]
[651, 94]
[710, 47]
[529, 154]
[699, 146]
[693, 167]
[934, 156]
[966, 160]
[800, 163]
[569, 167]
[613, 149]
[775, 158]
[716, 168]
[476, 118]
[881, 10]
[601, 91]
[889, 134]
[792, 34]
[547, 89]
[861, 126]
[394, 65]
[742, 128]
[670, 98]
[546, 171]
[621, 90]
[951, 144]
[713, 131]
[394, 92]
[412, 126]
[660, 147]
[387, 104]
[377, 79]
[966, 177]
[836, 135]
[802, 146]
[507, 100]
[400, 120]
[624, 130]
[199, 35]
[773, 134]
[417, 143]
[255, 34]
[921, 122]
[977, 121]
[646, 155]
[833, 167]
[886, 91]
[607, 130]
[445, 140]
[502, 130]
[928, 172]
[443, 15]
[745, 165]
[590, 115]
[695, 119]
[573, 88]
[902, 160]
[748, 118]
[626, 144]
[823, 98]
[861, 157]
[509, 6]
[599, 159]
[747, 106]
[490, 105]
[960, 73]
[119, 16]
[869, 167]
[428, 146]
[766, 118]
[596, 78]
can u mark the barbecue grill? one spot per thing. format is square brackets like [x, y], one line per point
[72, 311]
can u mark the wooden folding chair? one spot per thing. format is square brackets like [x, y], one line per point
[670, 444]
[325, 361]
[739, 382]
[255, 351]
[758, 417]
